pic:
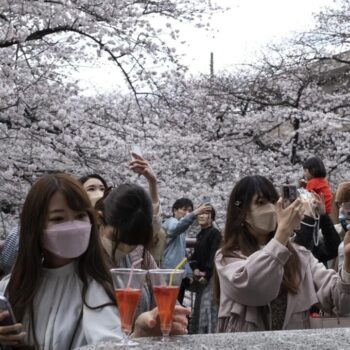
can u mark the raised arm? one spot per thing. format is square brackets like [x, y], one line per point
[140, 166]
[176, 227]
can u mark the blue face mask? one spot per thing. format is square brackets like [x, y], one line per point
[343, 223]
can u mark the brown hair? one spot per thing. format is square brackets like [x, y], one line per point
[25, 278]
[238, 238]
[343, 193]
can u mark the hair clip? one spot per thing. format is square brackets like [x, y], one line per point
[238, 203]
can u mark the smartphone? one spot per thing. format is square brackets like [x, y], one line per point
[206, 199]
[6, 306]
[289, 194]
[136, 149]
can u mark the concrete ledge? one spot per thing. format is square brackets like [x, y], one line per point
[335, 338]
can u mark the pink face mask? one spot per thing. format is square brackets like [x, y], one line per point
[67, 240]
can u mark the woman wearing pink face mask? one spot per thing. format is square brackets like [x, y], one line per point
[265, 281]
[60, 288]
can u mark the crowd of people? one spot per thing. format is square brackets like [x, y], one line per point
[273, 267]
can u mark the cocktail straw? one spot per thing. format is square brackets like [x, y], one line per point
[177, 267]
[132, 271]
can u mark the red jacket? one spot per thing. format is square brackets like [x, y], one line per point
[320, 186]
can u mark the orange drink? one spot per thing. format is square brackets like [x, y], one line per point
[165, 284]
[127, 300]
[165, 298]
[128, 284]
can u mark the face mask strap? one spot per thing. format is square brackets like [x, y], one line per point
[316, 236]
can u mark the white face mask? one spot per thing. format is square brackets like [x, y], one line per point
[94, 196]
[263, 218]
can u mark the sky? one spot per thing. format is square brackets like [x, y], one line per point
[236, 37]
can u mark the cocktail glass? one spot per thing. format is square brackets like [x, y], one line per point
[128, 285]
[165, 284]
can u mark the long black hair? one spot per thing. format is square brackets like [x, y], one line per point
[237, 236]
[316, 167]
[128, 209]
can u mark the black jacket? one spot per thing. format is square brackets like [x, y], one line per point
[327, 248]
[208, 242]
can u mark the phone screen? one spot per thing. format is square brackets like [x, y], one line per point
[206, 199]
[289, 194]
[136, 149]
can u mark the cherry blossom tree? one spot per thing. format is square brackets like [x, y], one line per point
[200, 134]
[43, 122]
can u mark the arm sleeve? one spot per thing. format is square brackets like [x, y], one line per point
[340, 256]
[156, 218]
[256, 280]
[175, 227]
[328, 248]
[333, 294]
[9, 251]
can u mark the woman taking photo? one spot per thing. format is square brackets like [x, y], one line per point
[60, 288]
[266, 282]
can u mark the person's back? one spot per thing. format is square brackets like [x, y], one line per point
[320, 186]
[127, 232]
[315, 173]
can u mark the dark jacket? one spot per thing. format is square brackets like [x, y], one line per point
[208, 242]
[327, 248]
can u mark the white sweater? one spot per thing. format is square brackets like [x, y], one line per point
[58, 305]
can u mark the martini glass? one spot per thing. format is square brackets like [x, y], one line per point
[128, 285]
[165, 284]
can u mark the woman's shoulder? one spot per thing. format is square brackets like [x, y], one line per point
[96, 294]
[223, 259]
[317, 183]
[300, 249]
[215, 231]
[140, 252]
[305, 255]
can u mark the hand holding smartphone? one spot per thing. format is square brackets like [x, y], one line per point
[6, 306]
[11, 330]
[289, 195]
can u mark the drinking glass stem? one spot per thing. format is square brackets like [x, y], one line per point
[165, 337]
[126, 339]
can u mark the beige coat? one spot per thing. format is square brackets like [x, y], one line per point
[246, 283]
